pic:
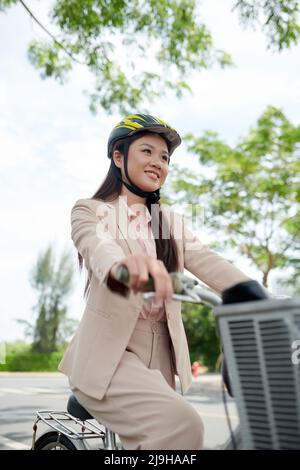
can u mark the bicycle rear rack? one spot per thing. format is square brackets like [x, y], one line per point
[89, 430]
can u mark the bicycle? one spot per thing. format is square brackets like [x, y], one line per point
[249, 332]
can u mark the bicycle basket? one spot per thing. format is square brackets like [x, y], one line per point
[257, 337]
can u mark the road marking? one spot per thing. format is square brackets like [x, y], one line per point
[46, 391]
[13, 444]
[217, 415]
[33, 391]
[17, 391]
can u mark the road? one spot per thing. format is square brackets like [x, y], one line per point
[22, 394]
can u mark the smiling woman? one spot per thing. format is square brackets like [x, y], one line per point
[148, 155]
[141, 146]
[137, 136]
[126, 352]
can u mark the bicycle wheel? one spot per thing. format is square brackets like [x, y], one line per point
[51, 441]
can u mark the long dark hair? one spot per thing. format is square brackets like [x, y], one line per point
[166, 248]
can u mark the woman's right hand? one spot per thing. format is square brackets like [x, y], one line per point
[139, 267]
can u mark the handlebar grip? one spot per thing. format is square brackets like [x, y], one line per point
[122, 275]
[244, 292]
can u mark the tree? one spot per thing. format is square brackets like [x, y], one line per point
[138, 50]
[110, 37]
[279, 19]
[52, 324]
[200, 327]
[252, 193]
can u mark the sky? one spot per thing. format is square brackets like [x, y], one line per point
[53, 150]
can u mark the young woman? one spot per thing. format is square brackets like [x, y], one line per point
[124, 356]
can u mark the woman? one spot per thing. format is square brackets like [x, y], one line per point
[123, 358]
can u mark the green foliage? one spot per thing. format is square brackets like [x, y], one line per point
[252, 193]
[200, 327]
[50, 59]
[4, 4]
[17, 347]
[279, 19]
[111, 38]
[29, 361]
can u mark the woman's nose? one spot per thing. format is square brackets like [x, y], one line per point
[156, 163]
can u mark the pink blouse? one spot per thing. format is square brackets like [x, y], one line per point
[151, 309]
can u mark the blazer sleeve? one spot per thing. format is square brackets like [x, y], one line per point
[98, 249]
[208, 266]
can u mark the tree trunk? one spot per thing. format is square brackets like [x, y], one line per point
[265, 278]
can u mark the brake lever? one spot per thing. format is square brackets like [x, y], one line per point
[180, 297]
[195, 295]
[183, 287]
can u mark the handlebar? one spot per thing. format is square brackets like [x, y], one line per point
[186, 289]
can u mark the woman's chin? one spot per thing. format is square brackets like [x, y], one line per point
[149, 186]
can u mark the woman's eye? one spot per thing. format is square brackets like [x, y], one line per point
[165, 157]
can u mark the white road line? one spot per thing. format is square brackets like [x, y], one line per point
[32, 391]
[13, 444]
[217, 415]
[47, 391]
[17, 391]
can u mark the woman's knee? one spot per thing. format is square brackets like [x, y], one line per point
[194, 427]
[184, 420]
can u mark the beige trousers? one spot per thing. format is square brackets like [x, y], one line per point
[141, 404]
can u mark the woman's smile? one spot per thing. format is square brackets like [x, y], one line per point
[152, 175]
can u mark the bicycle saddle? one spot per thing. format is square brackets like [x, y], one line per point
[75, 409]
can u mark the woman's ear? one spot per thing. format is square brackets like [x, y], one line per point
[118, 157]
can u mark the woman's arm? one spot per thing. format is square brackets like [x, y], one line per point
[99, 250]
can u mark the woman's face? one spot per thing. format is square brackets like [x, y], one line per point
[148, 162]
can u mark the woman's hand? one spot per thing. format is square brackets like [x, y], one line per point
[139, 267]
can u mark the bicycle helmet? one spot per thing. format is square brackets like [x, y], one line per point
[131, 128]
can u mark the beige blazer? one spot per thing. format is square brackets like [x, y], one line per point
[100, 234]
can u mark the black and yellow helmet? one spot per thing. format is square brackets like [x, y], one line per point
[134, 123]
